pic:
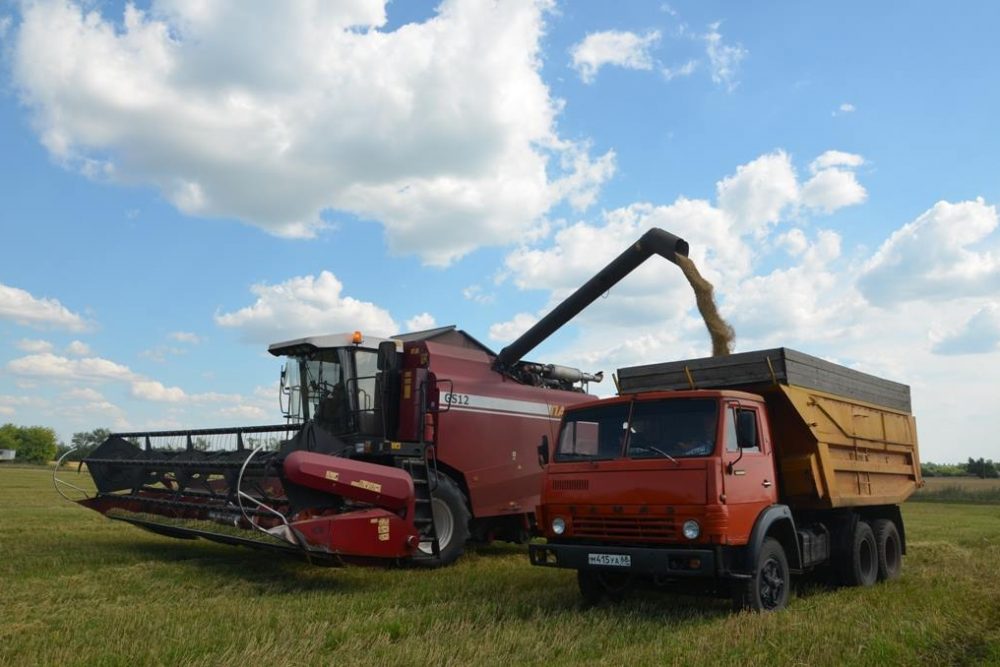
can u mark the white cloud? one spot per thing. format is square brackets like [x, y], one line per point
[304, 306]
[33, 345]
[21, 307]
[185, 337]
[977, 335]
[476, 294]
[950, 250]
[243, 412]
[443, 130]
[420, 322]
[831, 189]
[50, 366]
[151, 390]
[724, 59]
[846, 107]
[85, 394]
[78, 349]
[759, 191]
[505, 332]
[836, 159]
[687, 69]
[613, 47]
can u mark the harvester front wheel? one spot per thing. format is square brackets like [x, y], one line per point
[451, 524]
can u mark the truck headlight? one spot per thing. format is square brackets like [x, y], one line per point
[691, 529]
[558, 526]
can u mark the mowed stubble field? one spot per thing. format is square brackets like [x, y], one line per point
[76, 588]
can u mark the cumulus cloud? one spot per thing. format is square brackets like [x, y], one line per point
[759, 191]
[950, 250]
[476, 294]
[724, 59]
[22, 308]
[304, 306]
[33, 345]
[505, 332]
[831, 189]
[977, 335]
[78, 349]
[613, 47]
[420, 322]
[442, 130]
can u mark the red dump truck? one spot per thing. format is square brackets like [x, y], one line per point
[731, 474]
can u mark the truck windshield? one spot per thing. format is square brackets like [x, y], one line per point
[595, 433]
[670, 428]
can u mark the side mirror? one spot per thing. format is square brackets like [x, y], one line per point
[543, 452]
[388, 358]
[746, 429]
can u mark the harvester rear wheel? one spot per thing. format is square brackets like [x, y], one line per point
[889, 548]
[451, 523]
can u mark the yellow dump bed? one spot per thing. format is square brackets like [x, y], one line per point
[841, 437]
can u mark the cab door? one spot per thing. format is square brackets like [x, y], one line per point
[748, 475]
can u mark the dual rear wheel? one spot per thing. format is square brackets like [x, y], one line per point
[875, 553]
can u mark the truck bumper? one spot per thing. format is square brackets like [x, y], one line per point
[661, 561]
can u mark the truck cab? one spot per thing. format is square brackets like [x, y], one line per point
[669, 484]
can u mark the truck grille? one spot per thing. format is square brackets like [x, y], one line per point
[626, 527]
[570, 484]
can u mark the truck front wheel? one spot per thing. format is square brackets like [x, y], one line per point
[768, 588]
[860, 568]
[596, 585]
[889, 549]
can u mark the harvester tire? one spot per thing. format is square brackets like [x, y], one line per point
[890, 549]
[769, 587]
[860, 567]
[451, 521]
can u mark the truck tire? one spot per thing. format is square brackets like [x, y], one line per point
[768, 588]
[860, 565]
[596, 585]
[451, 522]
[889, 549]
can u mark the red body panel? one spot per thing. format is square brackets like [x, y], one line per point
[372, 533]
[379, 485]
[490, 427]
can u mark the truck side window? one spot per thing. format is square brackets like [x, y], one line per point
[746, 421]
[732, 444]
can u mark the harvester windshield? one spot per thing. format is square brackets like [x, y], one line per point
[335, 387]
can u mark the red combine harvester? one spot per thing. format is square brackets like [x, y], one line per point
[393, 449]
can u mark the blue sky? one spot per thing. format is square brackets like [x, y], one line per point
[183, 185]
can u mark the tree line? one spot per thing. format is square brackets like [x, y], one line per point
[39, 444]
[983, 468]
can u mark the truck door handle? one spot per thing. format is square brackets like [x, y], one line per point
[766, 484]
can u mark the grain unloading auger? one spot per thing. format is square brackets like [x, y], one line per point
[394, 449]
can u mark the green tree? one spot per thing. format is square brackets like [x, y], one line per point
[38, 445]
[86, 442]
[10, 437]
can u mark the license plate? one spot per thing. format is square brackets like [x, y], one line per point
[610, 560]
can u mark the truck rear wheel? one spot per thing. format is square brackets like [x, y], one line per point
[596, 585]
[768, 588]
[889, 549]
[860, 568]
[451, 524]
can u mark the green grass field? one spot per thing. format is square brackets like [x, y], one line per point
[76, 588]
